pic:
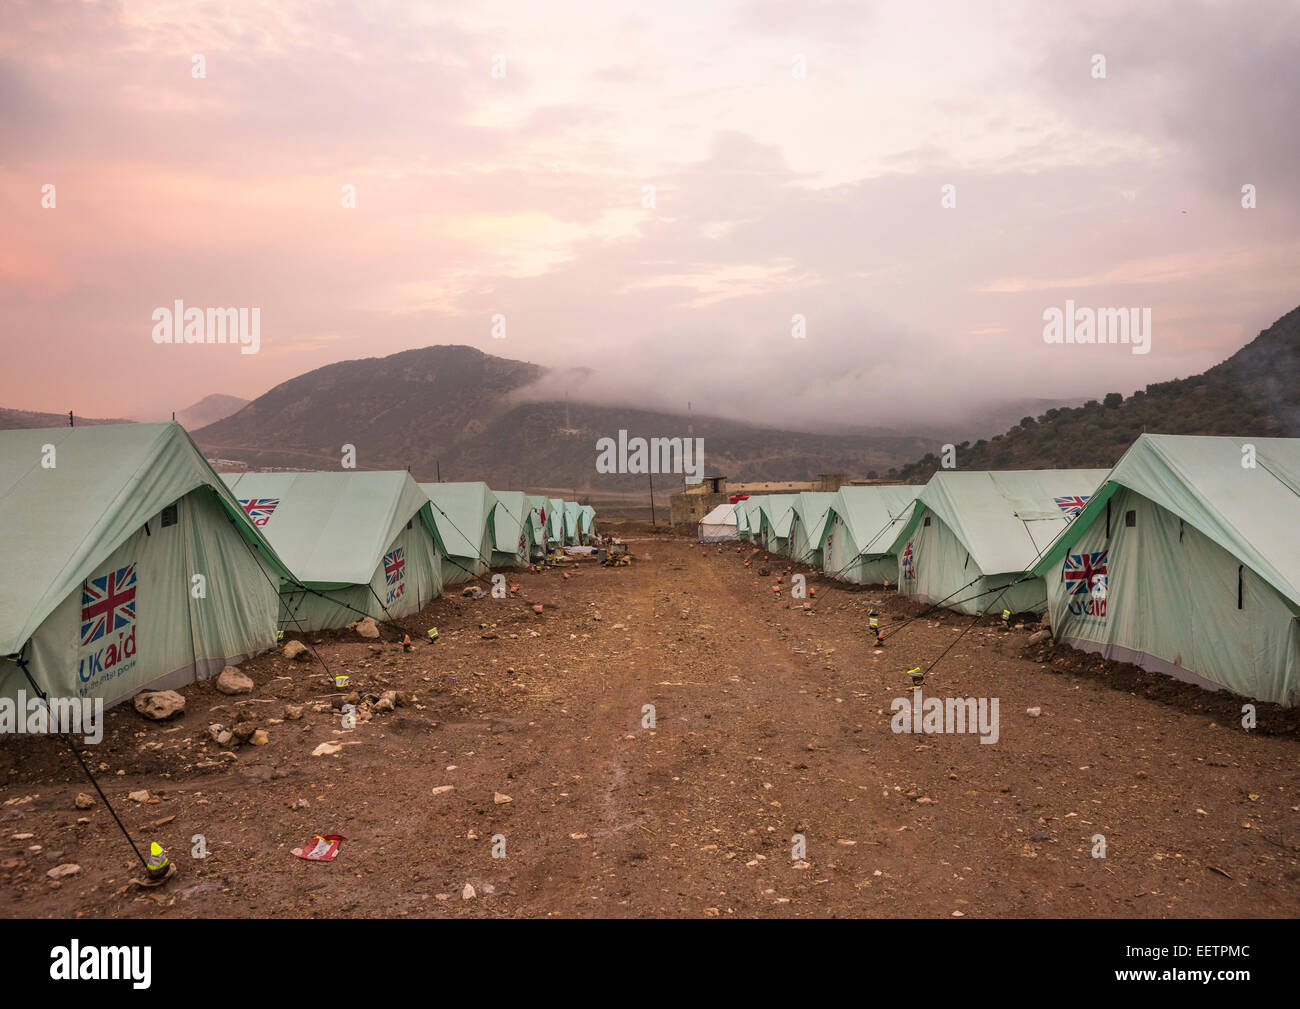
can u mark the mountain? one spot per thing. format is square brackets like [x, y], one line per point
[399, 410]
[15, 419]
[458, 413]
[209, 410]
[1253, 394]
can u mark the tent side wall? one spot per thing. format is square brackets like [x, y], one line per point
[457, 569]
[843, 561]
[1172, 605]
[840, 552]
[173, 638]
[800, 547]
[511, 531]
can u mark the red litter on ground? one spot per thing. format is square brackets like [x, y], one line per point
[323, 848]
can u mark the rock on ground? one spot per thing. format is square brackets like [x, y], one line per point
[366, 627]
[159, 705]
[232, 681]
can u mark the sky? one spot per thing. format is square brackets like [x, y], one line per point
[654, 192]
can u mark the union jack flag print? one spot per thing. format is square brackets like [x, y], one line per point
[1072, 504]
[107, 603]
[1081, 569]
[394, 566]
[259, 509]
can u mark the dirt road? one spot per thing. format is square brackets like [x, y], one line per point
[769, 722]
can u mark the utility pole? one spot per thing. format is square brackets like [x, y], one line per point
[70, 424]
[438, 464]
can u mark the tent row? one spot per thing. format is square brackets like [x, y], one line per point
[1182, 558]
[130, 563]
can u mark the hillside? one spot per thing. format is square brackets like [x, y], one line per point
[531, 446]
[11, 420]
[209, 410]
[454, 412]
[400, 410]
[1254, 393]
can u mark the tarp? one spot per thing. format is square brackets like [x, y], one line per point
[462, 513]
[512, 529]
[860, 529]
[719, 524]
[359, 543]
[973, 535]
[125, 562]
[1194, 542]
[811, 509]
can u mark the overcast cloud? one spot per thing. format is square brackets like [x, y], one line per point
[774, 196]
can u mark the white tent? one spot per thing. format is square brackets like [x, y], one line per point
[719, 524]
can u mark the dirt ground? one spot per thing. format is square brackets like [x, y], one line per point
[771, 721]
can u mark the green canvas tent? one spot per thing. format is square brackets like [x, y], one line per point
[539, 508]
[462, 512]
[360, 544]
[973, 535]
[555, 521]
[860, 529]
[811, 509]
[587, 521]
[1187, 562]
[125, 564]
[512, 530]
[742, 521]
[776, 513]
[753, 518]
[572, 533]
